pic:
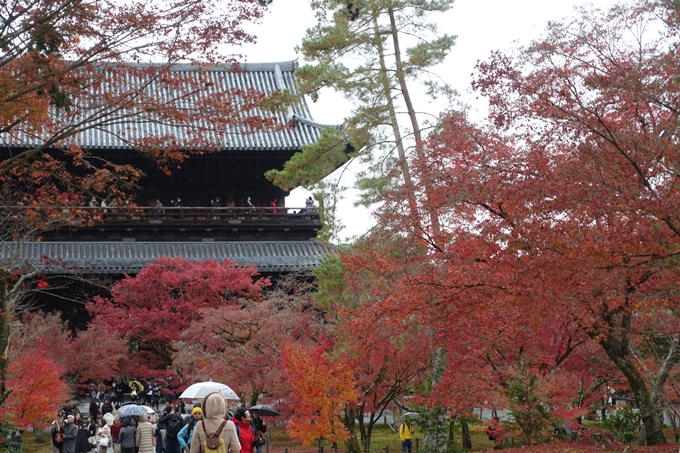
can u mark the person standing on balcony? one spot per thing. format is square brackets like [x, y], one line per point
[176, 204]
[309, 206]
[250, 205]
[159, 208]
[217, 205]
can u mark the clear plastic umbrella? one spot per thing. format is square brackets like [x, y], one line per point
[202, 389]
[128, 410]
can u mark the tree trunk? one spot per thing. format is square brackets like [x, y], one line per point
[642, 436]
[674, 426]
[616, 350]
[465, 434]
[394, 123]
[358, 415]
[5, 316]
[401, 78]
[254, 397]
[452, 431]
[352, 444]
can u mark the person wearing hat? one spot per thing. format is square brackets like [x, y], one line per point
[187, 433]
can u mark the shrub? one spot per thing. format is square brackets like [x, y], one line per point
[625, 422]
[528, 406]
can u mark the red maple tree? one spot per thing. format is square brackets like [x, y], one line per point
[99, 352]
[240, 344]
[154, 308]
[560, 221]
[66, 68]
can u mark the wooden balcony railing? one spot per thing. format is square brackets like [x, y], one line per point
[153, 214]
[167, 223]
[85, 215]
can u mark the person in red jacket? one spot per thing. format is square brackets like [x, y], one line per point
[246, 434]
[115, 431]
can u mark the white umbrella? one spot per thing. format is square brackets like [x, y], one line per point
[127, 410]
[201, 389]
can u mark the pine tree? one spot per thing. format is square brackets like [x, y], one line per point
[358, 48]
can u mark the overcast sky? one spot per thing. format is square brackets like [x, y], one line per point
[481, 26]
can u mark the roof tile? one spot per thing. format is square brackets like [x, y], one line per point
[131, 257]
[264, 77]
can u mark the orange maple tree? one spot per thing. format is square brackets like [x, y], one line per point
[37, 386]
[320, 388]
[35, 372]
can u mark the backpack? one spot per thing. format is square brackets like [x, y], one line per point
[214, 443]
[258, 440]
[173, 426]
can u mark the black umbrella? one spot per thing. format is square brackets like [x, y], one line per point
[265, 410]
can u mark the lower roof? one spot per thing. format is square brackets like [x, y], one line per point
[131, 257]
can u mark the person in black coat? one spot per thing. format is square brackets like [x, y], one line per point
[259, 426]
[107, 407]
[86, 428]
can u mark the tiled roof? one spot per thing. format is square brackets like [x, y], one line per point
[263, 77]
[130, 257]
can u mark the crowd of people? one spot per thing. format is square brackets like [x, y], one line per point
[176, 430]
[215, 206]
[177, 211]
[115, 392]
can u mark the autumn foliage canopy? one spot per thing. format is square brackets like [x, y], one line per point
[151, 310]
[72, 66]
[560, 220]
[539, 256]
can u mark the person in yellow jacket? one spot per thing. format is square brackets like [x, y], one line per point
[406, 433]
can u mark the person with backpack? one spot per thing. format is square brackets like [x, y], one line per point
[184, 437]
[215, 434]
[173, 423]
[246, 433]
[406, 433]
